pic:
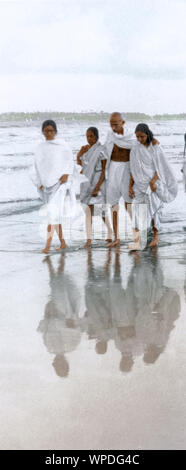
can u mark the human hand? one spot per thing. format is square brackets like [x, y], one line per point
[41, 188]
[152, 185]
[63, 179]
[155, 141]
[83, 150]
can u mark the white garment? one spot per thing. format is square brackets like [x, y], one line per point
[118, 182]
[126, 141]
[144, 162]
[145, 208]
[53, 158]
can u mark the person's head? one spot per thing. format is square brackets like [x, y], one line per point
[49, 129]
[144, 134]
[60, 365]
[126, 363]
[117, 122]
[92, 135]
[101, 347]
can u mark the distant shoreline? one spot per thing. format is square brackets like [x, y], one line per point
[84, 116]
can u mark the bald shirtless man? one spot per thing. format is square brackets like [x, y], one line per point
[117, 147]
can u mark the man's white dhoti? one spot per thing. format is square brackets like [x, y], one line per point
[118, 182]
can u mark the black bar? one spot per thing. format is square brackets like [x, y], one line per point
[81, 458]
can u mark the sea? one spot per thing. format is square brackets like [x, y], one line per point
[21, 216]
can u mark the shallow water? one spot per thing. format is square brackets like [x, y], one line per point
[92, 342]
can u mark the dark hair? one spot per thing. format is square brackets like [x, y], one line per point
[49, 122]
[94, 130]
[144, 128]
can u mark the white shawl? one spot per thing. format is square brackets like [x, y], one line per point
[144, 161]
[126, 141]
[53, 158]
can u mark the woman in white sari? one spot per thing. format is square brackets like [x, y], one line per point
[52, 174]
[93, 161]
[151, 182]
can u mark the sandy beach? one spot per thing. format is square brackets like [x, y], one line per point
[92, 342]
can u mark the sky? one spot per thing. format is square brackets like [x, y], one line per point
[80, 55]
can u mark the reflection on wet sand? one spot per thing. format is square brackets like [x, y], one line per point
[60, 326]
[98, 320]
[138, 319]
[158, 306]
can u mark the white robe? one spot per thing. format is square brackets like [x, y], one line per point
[117, 174]
[144, 162]
[53, 158]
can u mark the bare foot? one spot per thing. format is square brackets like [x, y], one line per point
[135, 246]
[45, 250]
[154, 242]
[108, 240]
[62, 246]
[88, 243]
[114, 243]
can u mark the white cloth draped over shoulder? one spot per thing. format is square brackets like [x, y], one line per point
[52, 160]
[144, 162]
[117, 174]
[126, 141]
[91, 164]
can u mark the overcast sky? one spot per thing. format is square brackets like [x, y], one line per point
[73, 55]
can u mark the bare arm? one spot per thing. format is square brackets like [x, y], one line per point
[131, 183]
[83, 150]
[153, 181]
[63, 179]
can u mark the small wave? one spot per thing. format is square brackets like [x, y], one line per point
[21, 210]
[24, 154]
[16, 201]
[8, 169]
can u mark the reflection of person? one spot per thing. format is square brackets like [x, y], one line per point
[52, 174]
[151, 182]
[98, 321]
[123, 308]
[157, 307]
[61, 325]
[92, 192]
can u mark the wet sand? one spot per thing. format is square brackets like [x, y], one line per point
[93, 348]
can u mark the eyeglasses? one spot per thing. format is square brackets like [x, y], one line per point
[47, 131]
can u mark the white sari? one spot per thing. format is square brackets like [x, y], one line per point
[144, 162]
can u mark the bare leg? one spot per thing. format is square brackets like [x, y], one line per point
[89, 213]
[155, 240]
[61, 239]
[136, 245]
[115, 210]
[109, 228]
[50, 233]
[128, 207]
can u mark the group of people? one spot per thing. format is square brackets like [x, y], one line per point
[130, 166]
